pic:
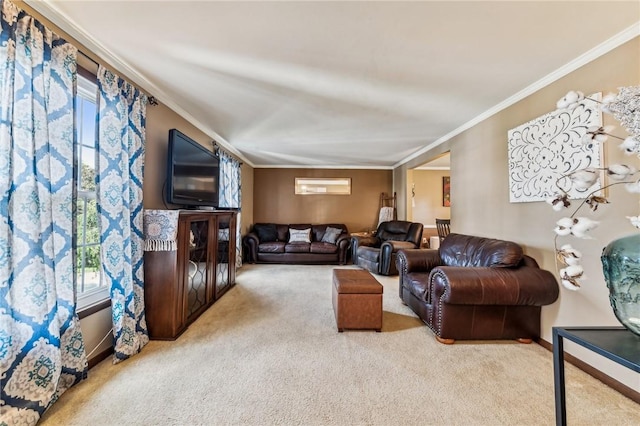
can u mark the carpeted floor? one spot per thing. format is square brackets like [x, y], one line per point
[268, 353]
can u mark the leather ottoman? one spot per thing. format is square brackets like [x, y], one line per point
[357, 300]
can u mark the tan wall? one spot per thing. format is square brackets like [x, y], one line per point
[480, 196]
[428, 197]
[274, 199]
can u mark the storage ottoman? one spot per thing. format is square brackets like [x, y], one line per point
[357, 300]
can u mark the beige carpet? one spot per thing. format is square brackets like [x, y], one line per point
[268, 353]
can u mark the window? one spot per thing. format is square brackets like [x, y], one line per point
[89, 288]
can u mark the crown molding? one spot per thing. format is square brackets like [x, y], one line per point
[604, 47]
[329, 167]
[432, 168]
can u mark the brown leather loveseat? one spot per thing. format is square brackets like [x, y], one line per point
[297, 243]
[475, 288]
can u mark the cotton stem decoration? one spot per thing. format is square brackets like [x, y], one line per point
[625, 107]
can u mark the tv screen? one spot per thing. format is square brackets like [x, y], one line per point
[192, 175]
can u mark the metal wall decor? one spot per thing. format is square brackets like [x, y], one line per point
[544, 149]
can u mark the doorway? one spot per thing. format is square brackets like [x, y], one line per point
[428, 196]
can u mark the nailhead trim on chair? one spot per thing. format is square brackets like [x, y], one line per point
[438, 330]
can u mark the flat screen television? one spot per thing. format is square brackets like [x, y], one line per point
[192, 174]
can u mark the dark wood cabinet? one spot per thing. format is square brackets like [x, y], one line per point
[180, 285]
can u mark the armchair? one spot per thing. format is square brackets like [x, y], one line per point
[377, 253]
[475, 288]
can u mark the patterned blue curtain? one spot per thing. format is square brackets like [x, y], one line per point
[230, 193]
[41, 348]
[121, 137]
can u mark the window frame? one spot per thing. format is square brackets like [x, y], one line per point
[96, 299]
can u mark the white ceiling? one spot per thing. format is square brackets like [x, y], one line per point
[341, 84]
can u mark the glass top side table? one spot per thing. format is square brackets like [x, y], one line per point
[615, 343]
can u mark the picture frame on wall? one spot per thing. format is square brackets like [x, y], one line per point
[446, 191]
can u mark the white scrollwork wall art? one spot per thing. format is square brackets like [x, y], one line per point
[548, 147]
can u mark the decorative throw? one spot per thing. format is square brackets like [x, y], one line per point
[160, 230]
[300, 235]
[386, 215]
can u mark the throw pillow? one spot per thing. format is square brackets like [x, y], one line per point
[266, 232]
[331, 235]
[300, 235]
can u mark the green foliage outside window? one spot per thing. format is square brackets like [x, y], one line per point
[88, 178]
[88, 210]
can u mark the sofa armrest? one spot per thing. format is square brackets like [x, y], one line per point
[343, 242]
[388, 255]
[394, 246]
[357, 241]
[418, 260]
[365, 241]
[492, 286]
[343, 238]
[415, 260]
[250, 243]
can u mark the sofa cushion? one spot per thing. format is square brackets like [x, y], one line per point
[271, 247]
[266, 232]
[283, 232]
[326, 248]
[300, 235]
[467, 250]
[331, 235]
[297, 247]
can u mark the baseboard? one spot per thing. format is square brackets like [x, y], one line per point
[100, 357]
[594, 372]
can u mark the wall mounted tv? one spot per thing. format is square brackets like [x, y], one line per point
[192, 173]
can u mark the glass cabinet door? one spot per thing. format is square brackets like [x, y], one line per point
[196, 266]
[223, 257]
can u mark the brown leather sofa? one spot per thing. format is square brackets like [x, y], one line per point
[377, 253]
[475, 288]
[272, 243]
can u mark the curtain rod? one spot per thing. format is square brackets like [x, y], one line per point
[150, 99]
[35, 13]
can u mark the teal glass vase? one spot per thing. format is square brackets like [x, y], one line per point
[621, 267]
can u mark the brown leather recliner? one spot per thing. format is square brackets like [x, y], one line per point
[475, 288]
[377, 253]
